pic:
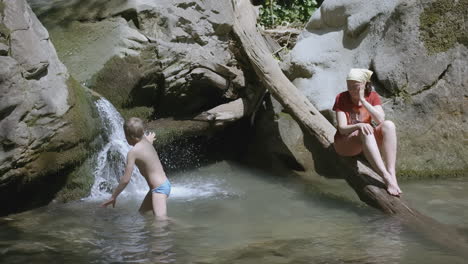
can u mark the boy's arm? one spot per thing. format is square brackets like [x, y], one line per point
[124, 180]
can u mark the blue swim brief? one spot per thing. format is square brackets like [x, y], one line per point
[164, 188]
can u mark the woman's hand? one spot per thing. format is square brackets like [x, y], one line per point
[365, 128]
[362, 92]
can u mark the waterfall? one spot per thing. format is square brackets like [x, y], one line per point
[110, 165]
[111, 159]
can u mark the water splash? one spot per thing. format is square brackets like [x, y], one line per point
[197, 184]
[111, 159]
[199, 187]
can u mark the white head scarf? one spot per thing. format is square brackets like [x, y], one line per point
[360, 75]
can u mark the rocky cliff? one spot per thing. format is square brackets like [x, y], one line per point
[47, 122]
[173, 63]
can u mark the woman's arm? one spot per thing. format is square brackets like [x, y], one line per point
[345, 129]
[376, 111]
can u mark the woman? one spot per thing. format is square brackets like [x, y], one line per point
[355, 109]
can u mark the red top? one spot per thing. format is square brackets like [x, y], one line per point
[354, 113]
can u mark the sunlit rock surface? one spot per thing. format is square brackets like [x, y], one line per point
[149, 58]
[163, 61]
[46, 118]
[418, 52]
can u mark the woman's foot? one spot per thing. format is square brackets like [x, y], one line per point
[393, 190]
[392, 185]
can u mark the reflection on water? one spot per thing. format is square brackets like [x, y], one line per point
[447, 201]
[224, 213]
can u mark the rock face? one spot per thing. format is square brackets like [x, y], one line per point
[173, 63]
[46, 118]
[149, 58]
[418, 51]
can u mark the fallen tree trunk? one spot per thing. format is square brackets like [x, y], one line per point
[365, 181]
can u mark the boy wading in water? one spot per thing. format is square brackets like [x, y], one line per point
[355, 109]
[144, 156]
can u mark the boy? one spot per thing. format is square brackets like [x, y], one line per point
[144, 156]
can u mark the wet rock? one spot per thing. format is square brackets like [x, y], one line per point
[170, 50]
[157, 60]
[46, 119]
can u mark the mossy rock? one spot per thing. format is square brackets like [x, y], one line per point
[61, 167]
[83, 116]
[83, 130]
[4, 33]
[79, 182]
[2, 8]
[125, 82]
[142, 112]
[117, 79]
[431, 174]
[169, 130]
[443, 24]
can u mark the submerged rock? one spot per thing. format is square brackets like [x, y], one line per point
[47, 122]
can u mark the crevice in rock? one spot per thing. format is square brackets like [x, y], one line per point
[36, 71]
[130, 15]
[433, 84]
[7, 111]
[378, 85]
[19, 29]
[191, 4]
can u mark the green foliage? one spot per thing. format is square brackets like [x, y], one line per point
[442, 25]
[278, 12]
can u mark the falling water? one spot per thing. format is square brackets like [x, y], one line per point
[111, 159]
[111, 165]
[188, 185]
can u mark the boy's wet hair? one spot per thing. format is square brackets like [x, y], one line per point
[134, 128]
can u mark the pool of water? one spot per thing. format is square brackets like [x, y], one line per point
[225, 213]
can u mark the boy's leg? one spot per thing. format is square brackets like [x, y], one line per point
[147, 204]
[159, 205]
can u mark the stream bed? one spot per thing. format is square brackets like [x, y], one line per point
[226, 213]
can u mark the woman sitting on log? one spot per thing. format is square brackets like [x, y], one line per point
[362, 127]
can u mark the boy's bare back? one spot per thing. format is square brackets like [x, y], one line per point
[147, 161]
[144, 156]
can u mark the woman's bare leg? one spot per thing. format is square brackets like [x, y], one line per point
[372, 153]
[389, 148]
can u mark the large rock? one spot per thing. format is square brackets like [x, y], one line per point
[46, 118]
[149, 58]
[418, 51]
[173, 63]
